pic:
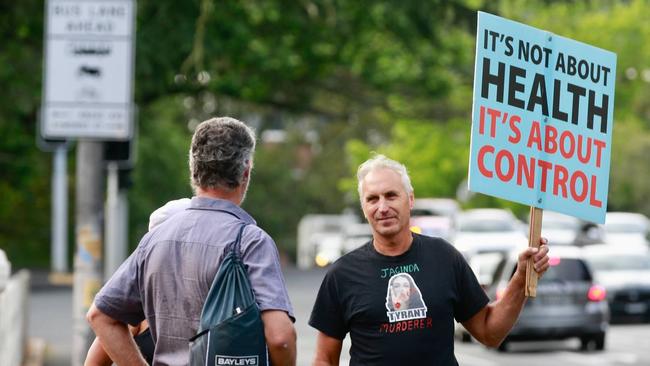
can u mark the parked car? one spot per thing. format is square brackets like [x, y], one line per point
[488, 230]
[590, 234]
[434, 217]
[328, 247]
[569, 303]
[320, 238]
[624, 270]
[560, 229]
[5, 270]
[484, 266]
[624, 228]
[356, 234]
[436, 206]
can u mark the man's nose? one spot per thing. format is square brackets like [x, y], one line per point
[383, 205]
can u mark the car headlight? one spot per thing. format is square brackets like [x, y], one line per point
[321, 260]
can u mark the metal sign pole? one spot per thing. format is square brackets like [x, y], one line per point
[59, 260]
[89, 239]
[115, 249]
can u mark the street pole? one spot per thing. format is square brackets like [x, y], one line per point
[89, 247]
[59, 254]
[116, 221]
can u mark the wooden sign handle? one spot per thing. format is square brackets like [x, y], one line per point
[534, 234]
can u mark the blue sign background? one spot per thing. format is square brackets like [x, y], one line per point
[493, 46]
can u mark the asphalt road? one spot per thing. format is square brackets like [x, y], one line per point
[51, 313]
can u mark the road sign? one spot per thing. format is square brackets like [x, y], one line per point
[88, 77]
[543, 117]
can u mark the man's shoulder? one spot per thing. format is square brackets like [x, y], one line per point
[437, 245]
[361, 252]
[352, 259]
[256, 233]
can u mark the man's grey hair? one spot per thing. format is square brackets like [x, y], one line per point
[382, 162]
[221, 150]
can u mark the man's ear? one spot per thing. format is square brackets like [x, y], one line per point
[247, 171]
[411, 200]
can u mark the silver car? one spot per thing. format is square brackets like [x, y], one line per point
[483, 230]
[624, 270]
[627, 228]
[569, 303]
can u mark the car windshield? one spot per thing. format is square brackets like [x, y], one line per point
[426, 212]
[486, 226]
[620, 263]
[567, 269]
[625, 228]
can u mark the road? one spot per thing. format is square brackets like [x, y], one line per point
[629, 345]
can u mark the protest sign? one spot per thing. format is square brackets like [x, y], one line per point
[542, 119]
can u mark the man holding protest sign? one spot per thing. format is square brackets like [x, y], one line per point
[398, 295]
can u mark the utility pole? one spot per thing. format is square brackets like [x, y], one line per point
[117, 211]
[59, 261]
[90, 196]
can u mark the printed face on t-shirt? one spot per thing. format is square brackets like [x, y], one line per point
[400, 291]
[403, 299]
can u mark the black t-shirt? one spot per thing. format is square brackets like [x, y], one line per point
[146, 345]
[399, 310]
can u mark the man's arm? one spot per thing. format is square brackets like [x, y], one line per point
[115, 338]
[280, 337]
[491, 324]
[97, 356]
[328, 350]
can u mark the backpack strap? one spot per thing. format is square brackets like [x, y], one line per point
[236, 245]
[232, 248]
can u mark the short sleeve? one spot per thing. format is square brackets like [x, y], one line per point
[120, 297]
[471, 296]
[261, 257]
[327, 314]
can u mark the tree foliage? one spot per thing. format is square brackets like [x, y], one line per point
[342, 78]
[24, 170]
[619, 27]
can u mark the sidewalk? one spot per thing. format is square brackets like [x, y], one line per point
[49, 328]
[35, 353]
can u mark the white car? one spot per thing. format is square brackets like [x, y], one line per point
[435, 206]
[356, 235]
[560, 229]
[624, 228]
[624, 270]
[484, 266]
[328, 247]
[484, 230]
[5, 270]
[434, 217]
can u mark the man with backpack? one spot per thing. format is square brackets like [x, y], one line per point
[167, 278]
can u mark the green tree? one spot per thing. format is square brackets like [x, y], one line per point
[623, 28]
[393, 76]
[24, 170]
